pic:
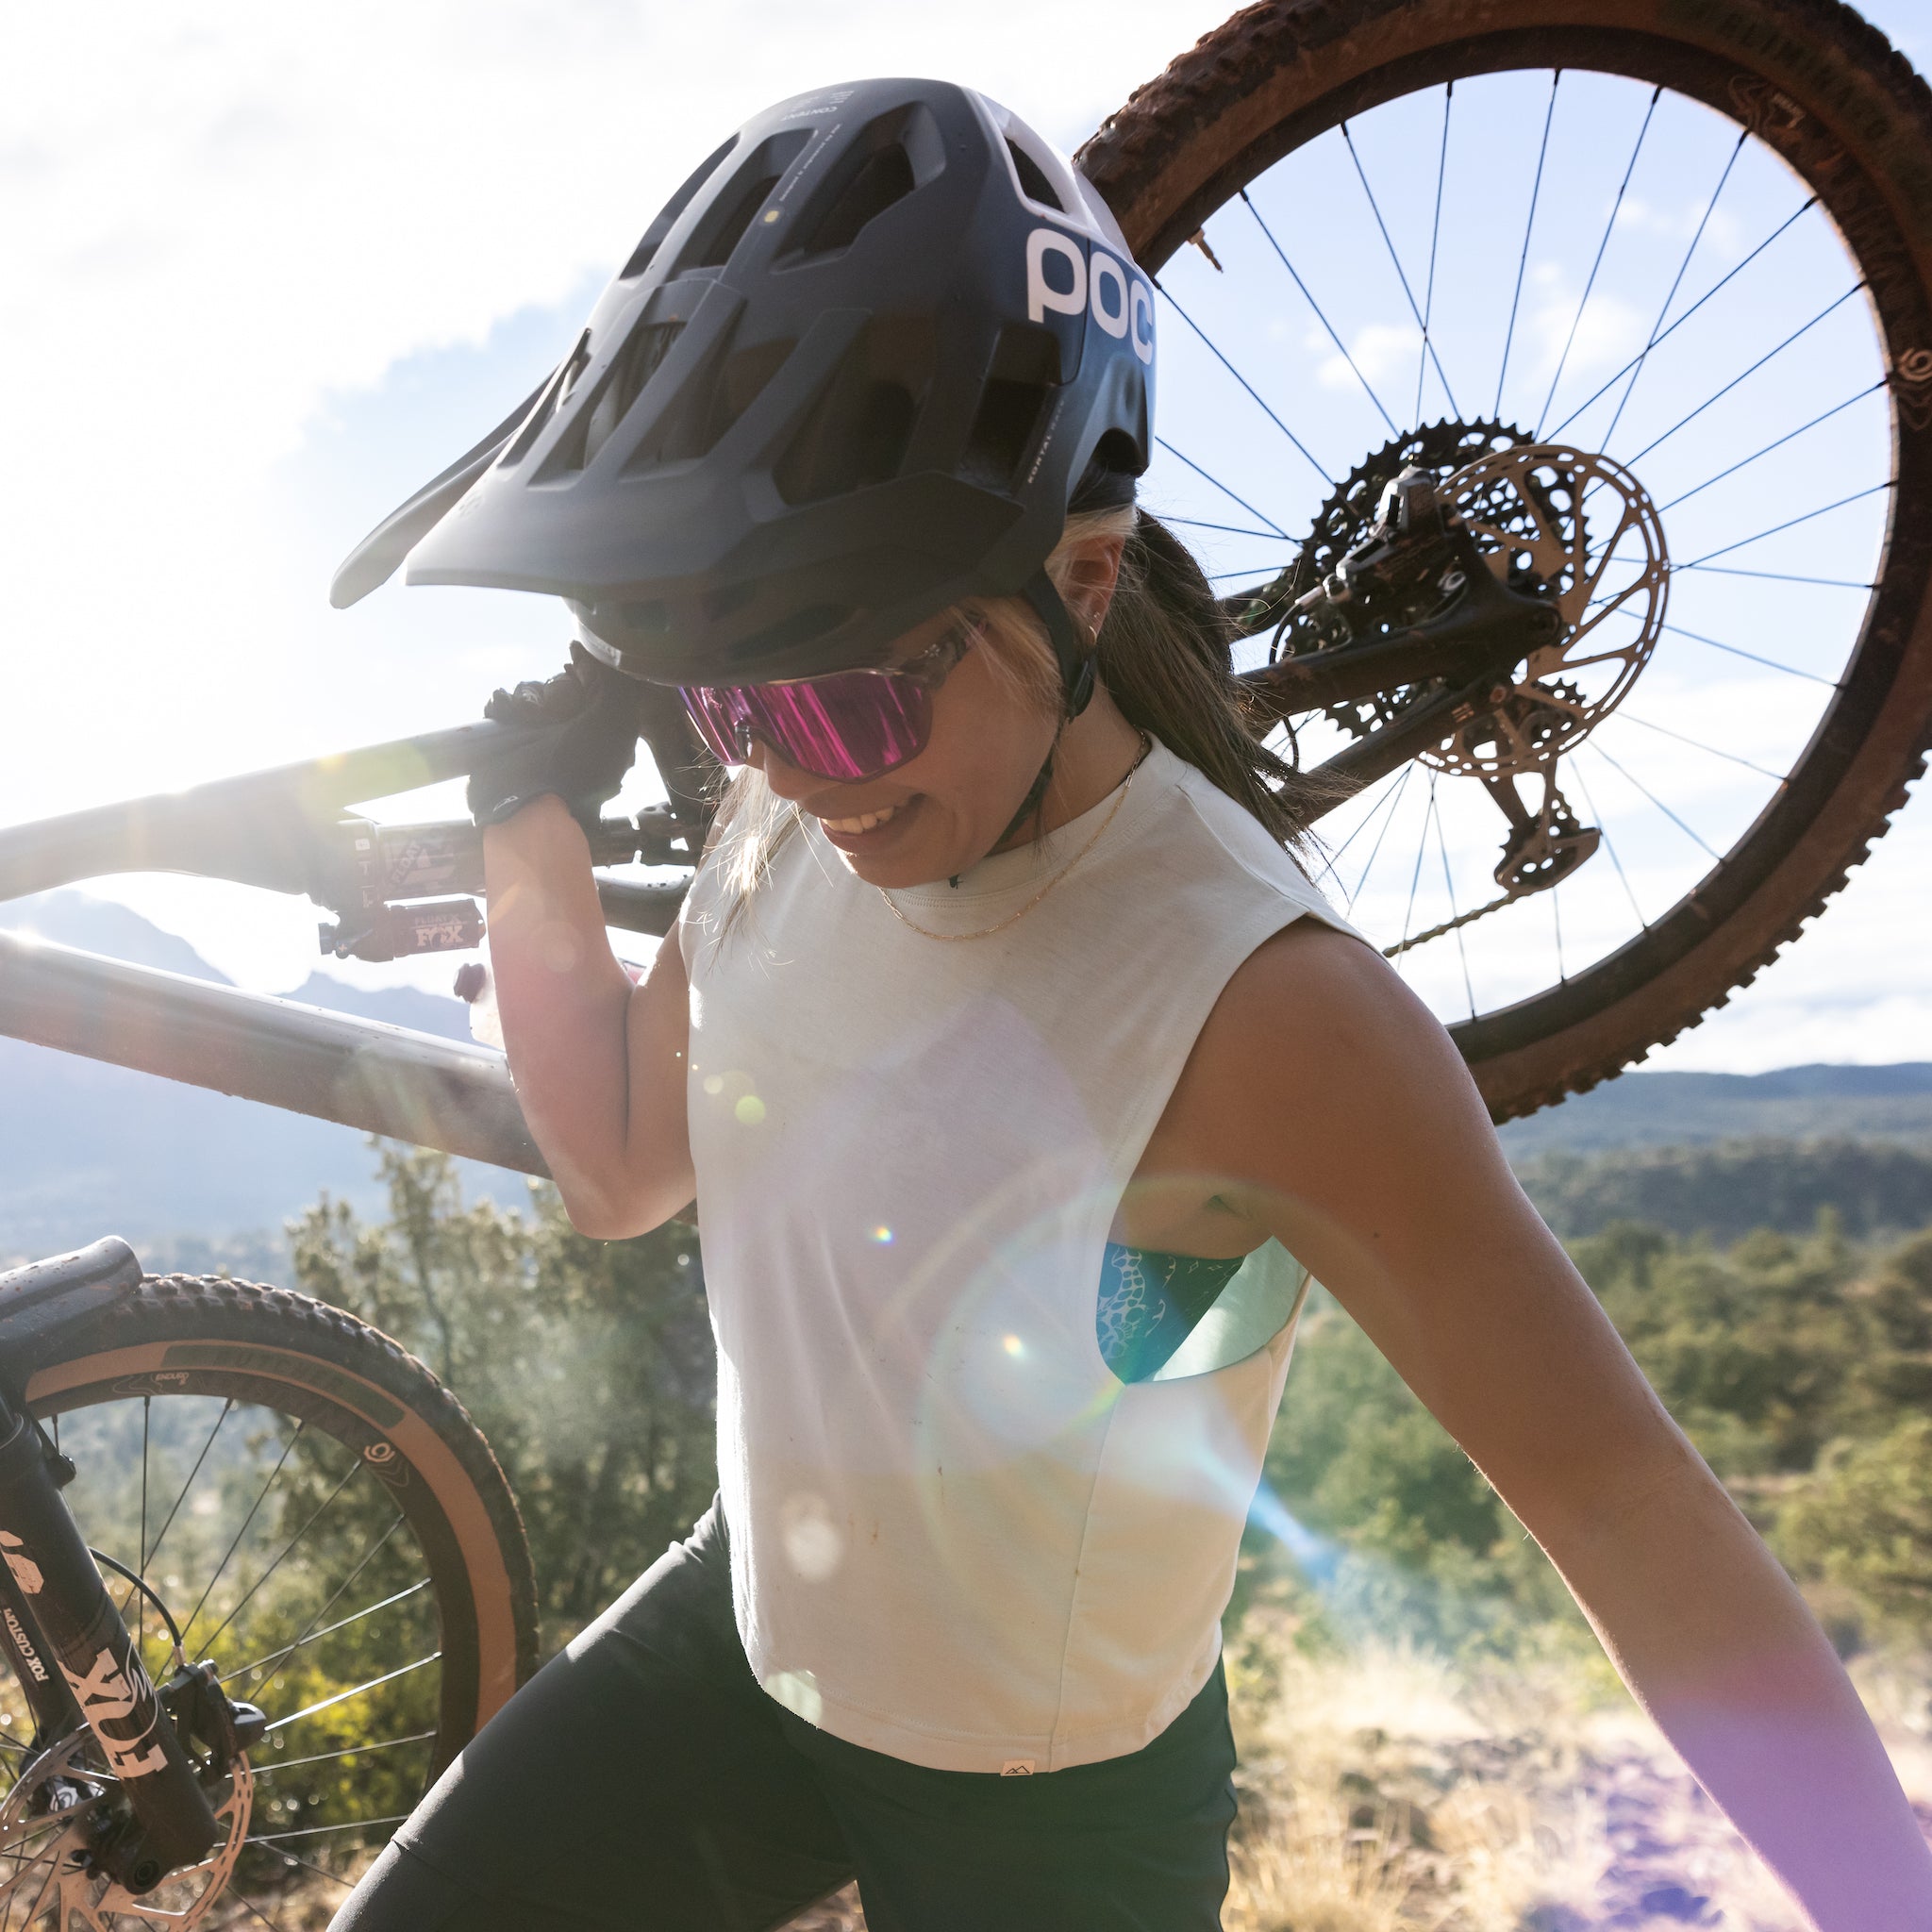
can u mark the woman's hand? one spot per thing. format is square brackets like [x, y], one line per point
[599, 1064]
[1324, 1105]
[584, 724]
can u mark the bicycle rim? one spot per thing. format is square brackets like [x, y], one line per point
[1706, 261]
[322, 1522]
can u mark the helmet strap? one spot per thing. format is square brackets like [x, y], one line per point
[1074, 657]
[1076, 667]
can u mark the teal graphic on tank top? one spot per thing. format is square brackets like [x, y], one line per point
[1150, 1303]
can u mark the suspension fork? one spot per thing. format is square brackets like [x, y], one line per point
[77, 1661]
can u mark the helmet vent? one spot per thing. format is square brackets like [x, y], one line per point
[653, 238]
[883, 163]
[884, 177]
[1003, 431]
[713, 399]
[1025, 370]
[550, 402]
[631, 368]
[1033, 181]
[857, 435]
[738, 202]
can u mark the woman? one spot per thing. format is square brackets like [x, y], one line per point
[1009, 1058]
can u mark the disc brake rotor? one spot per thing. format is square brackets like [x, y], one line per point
[1580, 529]
[47, 1830]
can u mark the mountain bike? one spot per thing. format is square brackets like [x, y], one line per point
[309, 1584]
[1594, 543]
[1612, 607]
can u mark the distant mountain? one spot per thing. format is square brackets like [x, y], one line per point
[1644, 1110]
[1727, 1190]
[199, 1178]
[87, 1149]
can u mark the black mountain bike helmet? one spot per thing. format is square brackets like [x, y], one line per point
[853, 374]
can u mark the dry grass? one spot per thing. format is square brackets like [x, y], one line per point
[1390, 1791]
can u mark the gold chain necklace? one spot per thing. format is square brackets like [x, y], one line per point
[986, 932]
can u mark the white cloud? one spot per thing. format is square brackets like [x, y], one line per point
[1377, 350]
[217, 215]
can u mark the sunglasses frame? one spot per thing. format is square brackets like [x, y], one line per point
[925, 674]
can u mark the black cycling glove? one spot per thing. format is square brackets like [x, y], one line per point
[589, 719]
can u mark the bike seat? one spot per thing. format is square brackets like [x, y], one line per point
[48, 1294]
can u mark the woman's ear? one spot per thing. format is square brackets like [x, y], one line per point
[1092, 571]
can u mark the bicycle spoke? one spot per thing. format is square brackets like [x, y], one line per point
[1790, 220]
[1790, 524]
[1455, 911]
[1422, 366]
[1618, 768]
[1698, 744]
[1528, 228]
[1330, 860]
[1375, 851]
[1246, 384]
[335, 1596]
[275, 1838]
[1603, 828]
[272, 1925]
[289, 1649]
[227, 1408]
[1776, 576]
[290, 1858]
[1206, 477]
[1368, 388]
[208, 1642]
[1769, 663]
[1421, 845]
[1609, 227]
[344, 1696]
[1556, 920]
[1361, 175]
[288, 1450]
[348, 1751]
[1803, 329]
[1232, 529]
[1683, 269]
[1745, 462]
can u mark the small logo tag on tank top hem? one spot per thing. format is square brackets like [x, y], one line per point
[1017, 1767]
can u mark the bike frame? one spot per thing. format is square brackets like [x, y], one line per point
[288, 831]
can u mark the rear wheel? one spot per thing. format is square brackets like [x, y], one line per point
[1691, 243]
[321, 1520]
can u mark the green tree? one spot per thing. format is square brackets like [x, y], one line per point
[587, 1364]
[1863, 1526]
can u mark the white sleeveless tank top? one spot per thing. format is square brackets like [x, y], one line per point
[956, 1537]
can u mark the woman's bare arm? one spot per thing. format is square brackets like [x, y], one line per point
[599, 1064]
[1329, 1108]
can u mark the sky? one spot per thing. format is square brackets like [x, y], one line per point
[270, 268]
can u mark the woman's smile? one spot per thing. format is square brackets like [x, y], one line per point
[854, 833]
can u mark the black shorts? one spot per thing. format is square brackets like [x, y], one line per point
[643, 1780]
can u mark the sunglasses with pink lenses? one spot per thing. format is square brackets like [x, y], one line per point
[846, 726]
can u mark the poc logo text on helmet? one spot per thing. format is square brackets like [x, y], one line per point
[1119, 301]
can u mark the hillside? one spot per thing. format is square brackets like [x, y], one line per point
[1645, 1109]
[87, 1149]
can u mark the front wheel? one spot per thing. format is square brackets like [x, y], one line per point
[1683, 248]
[320, 1518]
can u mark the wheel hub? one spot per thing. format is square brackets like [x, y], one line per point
[53, 1822]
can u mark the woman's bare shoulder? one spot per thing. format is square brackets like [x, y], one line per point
[1314, 1052]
